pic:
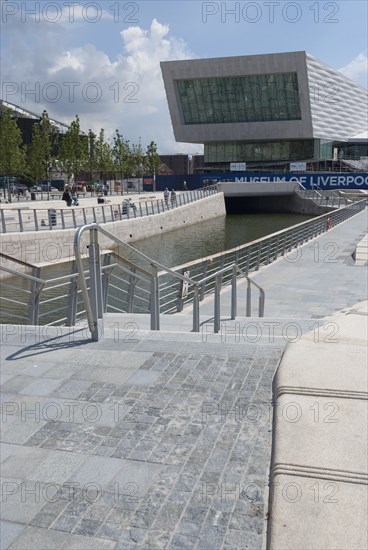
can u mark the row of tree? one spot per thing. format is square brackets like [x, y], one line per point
[72, 153]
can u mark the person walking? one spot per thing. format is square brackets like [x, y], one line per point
[67, 196]
[166, 195]
[173, 197]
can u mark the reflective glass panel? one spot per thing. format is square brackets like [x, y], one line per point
[254, 98]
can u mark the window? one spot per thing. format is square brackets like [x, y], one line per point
[254, 98]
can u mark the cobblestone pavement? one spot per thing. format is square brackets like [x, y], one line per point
[140, 442]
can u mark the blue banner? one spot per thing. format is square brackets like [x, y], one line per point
[342, 180]
[323, 180]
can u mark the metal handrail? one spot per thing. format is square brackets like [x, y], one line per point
[162, 296]
[45, 219]
[94, 321]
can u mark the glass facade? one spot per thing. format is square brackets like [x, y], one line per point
[242, 151]
[325, 149]
[254, 98]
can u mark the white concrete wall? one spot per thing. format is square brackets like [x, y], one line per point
[258, 189]
[52, 246]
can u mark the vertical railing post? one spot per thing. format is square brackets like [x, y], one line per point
[249, 300]
[259, 256]
[146, 208]
[268, 252]
[233, 294]
[72, 298]
[105, 280]
[247, 261]
[131, 289]
[261, 303]
[95, 291]
[140, 209]
[276, 248]
[62, 218]
[203, 285]
[3, 224]
[35, 219]
[180, 302]
[84, 216]
[195, 309]
[34, 297]
[155, 300]
[217, 305]
[21, 229]
[74, 220]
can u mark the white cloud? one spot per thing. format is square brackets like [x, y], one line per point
[126, 93]
[357, 69]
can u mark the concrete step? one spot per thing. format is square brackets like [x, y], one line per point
[265, 330]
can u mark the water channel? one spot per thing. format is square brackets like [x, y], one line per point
[213, 236]
[170, 249]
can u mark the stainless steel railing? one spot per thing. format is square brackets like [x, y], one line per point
[323, 198]
[248, 257]
[27, 219]
[125, 280]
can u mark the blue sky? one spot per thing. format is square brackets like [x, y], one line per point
[101, 59]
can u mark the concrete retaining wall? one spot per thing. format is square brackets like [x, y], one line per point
[52, 246]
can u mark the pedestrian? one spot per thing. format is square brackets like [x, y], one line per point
[166, 195]
[185, 186]
[67, 196]
[173, 197]
[328, 223]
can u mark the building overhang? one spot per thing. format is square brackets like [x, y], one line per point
[291, 62]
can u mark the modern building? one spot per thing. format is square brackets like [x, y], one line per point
[27, 119]
[267, 111]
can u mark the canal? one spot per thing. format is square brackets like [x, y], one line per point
[213, 236]
[170, 249]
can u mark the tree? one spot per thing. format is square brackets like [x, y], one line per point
[91, 154]
[35, 165]
[40, 150]
[12, 153]
[121, 156]
[139, 160]
[153, 161]
[103, 156]
[73, 150]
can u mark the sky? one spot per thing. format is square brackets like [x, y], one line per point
[101, 60]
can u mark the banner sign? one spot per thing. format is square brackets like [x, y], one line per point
[298, 166]
[324, 181]
[238, 166]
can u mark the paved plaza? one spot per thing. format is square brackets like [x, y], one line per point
[162, 440]
[138, 441]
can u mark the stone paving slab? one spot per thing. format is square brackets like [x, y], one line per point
[171, 450]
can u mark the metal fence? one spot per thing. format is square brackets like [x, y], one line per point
[323, 198]
[27, 219]
[125, 280]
